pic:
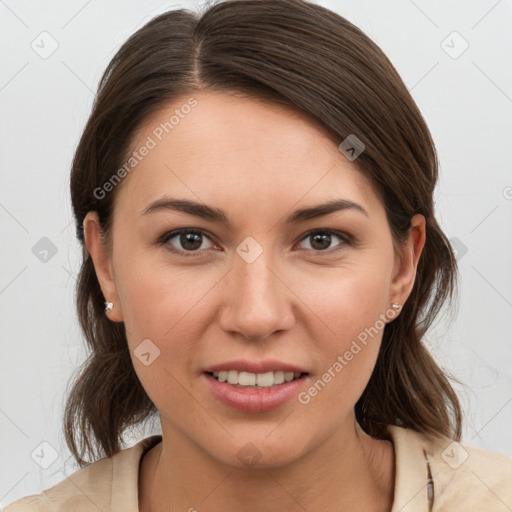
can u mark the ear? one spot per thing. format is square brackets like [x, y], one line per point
[102, 261]
[406, 262]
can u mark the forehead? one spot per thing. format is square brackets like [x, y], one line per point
[220, 147]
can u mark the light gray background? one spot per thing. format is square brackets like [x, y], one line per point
[466, 101]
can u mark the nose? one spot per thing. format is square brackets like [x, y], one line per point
[258, 301]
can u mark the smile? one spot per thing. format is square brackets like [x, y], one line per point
[254, 392]
[255, 380]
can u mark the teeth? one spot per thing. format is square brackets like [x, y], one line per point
[261, 380]
[278, 377]
[247, 379]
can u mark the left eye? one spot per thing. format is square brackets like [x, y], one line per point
[322, 239]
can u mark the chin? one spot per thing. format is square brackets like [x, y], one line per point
[259, 451]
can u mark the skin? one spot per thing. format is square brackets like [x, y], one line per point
[300, 302]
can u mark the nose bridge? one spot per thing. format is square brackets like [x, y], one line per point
[257, 301]
[256, 279]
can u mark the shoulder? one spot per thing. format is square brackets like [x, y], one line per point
[74, 492]
[107, 484]
[458, 477]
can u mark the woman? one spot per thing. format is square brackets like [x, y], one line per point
[254, 195]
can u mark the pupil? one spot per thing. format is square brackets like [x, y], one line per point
[325, 237]
[187, 238]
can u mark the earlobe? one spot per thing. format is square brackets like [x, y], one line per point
[407, 262]
[102, 261]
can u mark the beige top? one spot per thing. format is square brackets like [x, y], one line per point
[441, 476]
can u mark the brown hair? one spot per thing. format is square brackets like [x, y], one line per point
[301, 55]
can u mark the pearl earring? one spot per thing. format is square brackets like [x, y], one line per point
[108, 306]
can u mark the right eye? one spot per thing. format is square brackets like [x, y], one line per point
[190, 240]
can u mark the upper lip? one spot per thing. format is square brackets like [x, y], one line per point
[243, 365]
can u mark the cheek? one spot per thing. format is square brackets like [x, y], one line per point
[349, 301]
[163, 304]
[167, 307]
[350, 312]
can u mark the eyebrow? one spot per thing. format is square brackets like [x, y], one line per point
[218, 215]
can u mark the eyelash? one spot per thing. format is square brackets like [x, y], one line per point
[344, 237]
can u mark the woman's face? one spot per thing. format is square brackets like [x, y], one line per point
[255, 285]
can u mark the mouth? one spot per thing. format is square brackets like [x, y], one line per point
[248, 380]
[255, 386]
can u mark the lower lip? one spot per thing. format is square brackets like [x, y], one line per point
[254, 400]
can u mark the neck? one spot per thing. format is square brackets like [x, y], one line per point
[348, 471]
